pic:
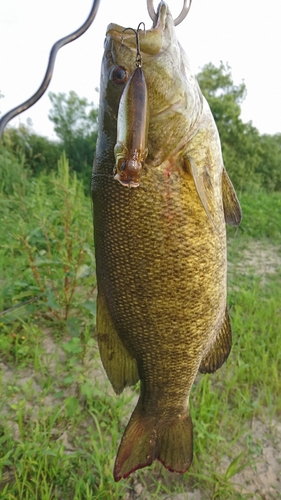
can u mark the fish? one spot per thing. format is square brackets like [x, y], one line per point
[160, 248]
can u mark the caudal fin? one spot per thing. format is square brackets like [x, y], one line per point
[147, 438]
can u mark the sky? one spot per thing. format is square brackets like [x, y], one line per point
[245, 34]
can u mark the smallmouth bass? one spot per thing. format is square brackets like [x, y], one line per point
[160, 247]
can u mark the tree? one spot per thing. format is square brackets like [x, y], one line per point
[75, 123]
[35, 152]
[240, 141]
[269, 166]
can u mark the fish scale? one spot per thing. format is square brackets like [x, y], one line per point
[160, 245]
[125, 274]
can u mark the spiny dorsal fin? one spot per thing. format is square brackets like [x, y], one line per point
[231, 205]
[120, 366]
[220, 349]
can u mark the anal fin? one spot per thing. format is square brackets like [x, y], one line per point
[220, 349]
[120, 366]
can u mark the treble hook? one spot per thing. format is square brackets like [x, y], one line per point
[138, 56]
[178, 20]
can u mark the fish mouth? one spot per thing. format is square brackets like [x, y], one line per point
[151, 41]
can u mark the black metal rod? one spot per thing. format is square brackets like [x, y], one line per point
[49, 72]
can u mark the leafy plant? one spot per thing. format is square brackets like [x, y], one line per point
[54, 241]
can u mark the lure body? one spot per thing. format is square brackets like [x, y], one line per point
[132, 128]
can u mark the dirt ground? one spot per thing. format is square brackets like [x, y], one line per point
[259, 260]
[262, 479]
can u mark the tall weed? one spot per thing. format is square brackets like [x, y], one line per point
[47, 243]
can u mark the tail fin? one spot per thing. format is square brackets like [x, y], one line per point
[146, 439]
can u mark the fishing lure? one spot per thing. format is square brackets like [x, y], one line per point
[132, 124]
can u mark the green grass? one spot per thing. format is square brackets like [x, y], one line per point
[61, 422]
[261, 215]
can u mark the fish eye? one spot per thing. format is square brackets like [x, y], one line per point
[120, 75]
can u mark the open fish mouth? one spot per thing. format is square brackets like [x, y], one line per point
[151, 41]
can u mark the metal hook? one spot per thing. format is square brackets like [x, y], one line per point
[138, 56]
[178, 20]
[49, 72]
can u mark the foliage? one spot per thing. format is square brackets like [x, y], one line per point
[222, 95]
[269, 165]
[261, 215]
[13, 175]
[75, 123]
[37, 233]
[37, 153]
[251, 160]
[62, 421]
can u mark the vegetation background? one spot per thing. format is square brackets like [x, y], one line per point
[61, 422]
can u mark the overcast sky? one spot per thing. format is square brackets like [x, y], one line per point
[244, 33]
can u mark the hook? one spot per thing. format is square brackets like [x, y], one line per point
[178, 20]
[138, 56]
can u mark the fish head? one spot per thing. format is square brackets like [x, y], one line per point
[174, 97]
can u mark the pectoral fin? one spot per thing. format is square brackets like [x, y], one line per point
[120, 366]
[231, 205]
[203, 186]
[220, 350]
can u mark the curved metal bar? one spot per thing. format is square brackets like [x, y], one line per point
[178, 20]
[49, 72]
